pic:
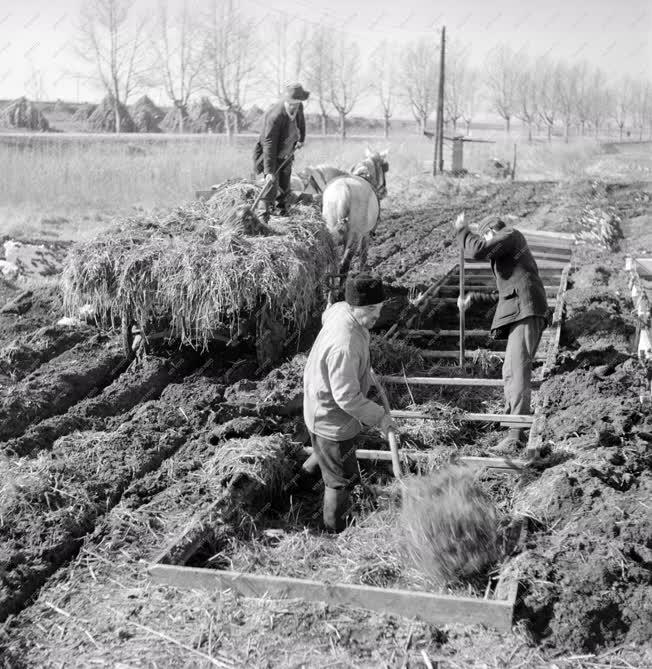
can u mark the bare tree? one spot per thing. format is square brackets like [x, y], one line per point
[547, 93]
[582, 101]
[642, 106]
[470, 97]
[318, 66]
[525, 98]
[114, 47]
[420, 74]
[622, 103]
[502, 76]
[177, 50]
[298, 50]
[230, 49]
[345, 80]
[34, 84]
[566, 83]
[457, 73]
[598, 100]
[382, 75]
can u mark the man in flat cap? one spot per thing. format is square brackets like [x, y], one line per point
[283, 131]
[336, 381]
[521, 314]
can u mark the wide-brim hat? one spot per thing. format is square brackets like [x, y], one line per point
[296, 93]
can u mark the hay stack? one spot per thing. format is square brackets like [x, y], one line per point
[204, 117]
[191, 268]
[171, 122]
[83, 113]
[450, 525]
[103, 118]
[146, 115]
[22, 113]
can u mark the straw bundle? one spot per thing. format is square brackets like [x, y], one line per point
[450, 526]
[146, 115]
[103, 117]
[193, 268]
[22, 113]
[83, 113]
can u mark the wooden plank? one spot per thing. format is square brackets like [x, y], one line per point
[442, 381]
[553, 346]
[428, 607]
[430, 354]
[555, 236]
[509, 419]
[443, 333]
[551, 291]
[543, 265]
[453, 300]
[417, 456]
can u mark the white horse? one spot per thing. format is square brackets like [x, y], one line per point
[351, 207]
[313, 180]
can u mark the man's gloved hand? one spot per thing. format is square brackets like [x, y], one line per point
[387, 424]
[459, 222]
[463, 303]
[269, 180]
[298, 145]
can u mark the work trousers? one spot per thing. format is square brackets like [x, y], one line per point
[522, 343]
[337, 461]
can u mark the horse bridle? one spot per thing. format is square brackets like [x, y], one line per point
[379, 175]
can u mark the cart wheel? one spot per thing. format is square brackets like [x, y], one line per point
[131, 341]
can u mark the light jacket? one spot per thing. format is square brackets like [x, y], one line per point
[272, 145]
[520, 290]
[336, 379]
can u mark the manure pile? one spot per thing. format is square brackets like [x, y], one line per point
[197, 268]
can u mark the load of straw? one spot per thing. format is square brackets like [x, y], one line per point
[103, 117]
[195, 268]
[83, 113]
[450, 525]
[204, 117]
[22, 113]
[393, 356]
[146, 115]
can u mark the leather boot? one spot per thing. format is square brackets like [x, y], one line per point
[511, 445]
[336, 507]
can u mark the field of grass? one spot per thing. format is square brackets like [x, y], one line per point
[65, 187]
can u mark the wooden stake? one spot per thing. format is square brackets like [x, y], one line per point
[462, 311]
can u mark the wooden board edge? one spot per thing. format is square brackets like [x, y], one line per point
[428, 607]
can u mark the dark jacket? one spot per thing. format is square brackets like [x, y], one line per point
[520, 290]
[275, 130]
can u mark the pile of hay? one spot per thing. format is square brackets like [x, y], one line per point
[146, 115]
[103, 117]
[83, 113]
[450, 525]
[394, 356]
[22, 113]
[175, 119]
[194, 268]
[204, 117]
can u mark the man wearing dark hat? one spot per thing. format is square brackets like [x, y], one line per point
[521, 313]
[336, 381]
[283, 131]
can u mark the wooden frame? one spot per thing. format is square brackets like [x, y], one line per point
[503, 418]
[425, 606]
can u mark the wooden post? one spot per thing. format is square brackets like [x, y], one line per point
[440, 113]
[514, 163]
[462, 311]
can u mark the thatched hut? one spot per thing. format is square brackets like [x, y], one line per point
[205, 269]
[146, 115]
[103, 118]
[22, 113]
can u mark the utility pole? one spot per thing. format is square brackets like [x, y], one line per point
[438, 162]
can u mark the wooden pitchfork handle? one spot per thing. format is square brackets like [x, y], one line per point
[391, 433]
[265, 189]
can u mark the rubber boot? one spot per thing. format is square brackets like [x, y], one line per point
[336, 507]
[511, 444]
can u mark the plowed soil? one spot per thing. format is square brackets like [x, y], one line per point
[103, 465]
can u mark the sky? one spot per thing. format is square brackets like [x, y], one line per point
[39, 36]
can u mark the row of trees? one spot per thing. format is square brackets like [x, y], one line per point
[220, 51]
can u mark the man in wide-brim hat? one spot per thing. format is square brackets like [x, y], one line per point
[283, 131]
